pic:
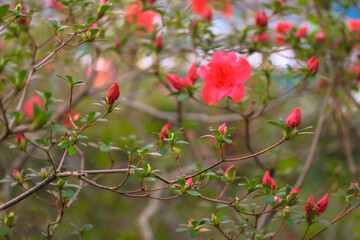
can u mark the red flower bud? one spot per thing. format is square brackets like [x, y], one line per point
[163, 133]
[277, 199]
[113, 94]
[151, 1]
[269, 181]
[321, 36]
[322, 205]
[260, 38]
[223, 128]
[356, 184]
[295, 190]
[357, 70]
[228, 169]
[301, 32]
[294, 118]
[117, 42]
[193, 76]
[103, 2]
[188, 182]
[18, 138]
[94, 26]
[261, 19]
[16, 174]
[313, 64]
[158, 43]
[308, 206]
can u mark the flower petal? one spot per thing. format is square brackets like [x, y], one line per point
[211, 94]
[237, 93]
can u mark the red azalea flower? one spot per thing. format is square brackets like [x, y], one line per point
[301, 32]
[202, 7]
[294, 118]
[224, 75]
[313, 64]
[66, 121]
[353, 25]
[144, 19]
[163, 133]
[321, 36]
[177, 84]
[260, 38]
[322, 205]
[55, 4]
[261, 19]
[28, 106]
[269, 181]
[281, 28]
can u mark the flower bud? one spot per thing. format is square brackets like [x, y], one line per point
[189, 221]
[103, 2]
[309, 207]
[295, 190]
[223, 129]
[214, 220]
[277, 199]
[269, 181]
[113, 94]
[313, 65]
[158, 43]
[286, 212]
[294, 118]
[356, 184]
[43, 174]
[193, 76]
[188, 183]
[163, 134]
[94, 26]
[322, 205]
[117, 42]
[20, 141]
[261, 19]
[301, 32]
[321, 36]
[227, 176]
[17, 176]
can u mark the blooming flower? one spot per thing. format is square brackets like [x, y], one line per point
[177, 84]
[66, 121]
[281, 28]
[308, 206]
[260, 38]
[261, 19]
[294, 118]
[163, 133]
[322, 205]
[224, 75]
[269, 181]
[321, 36]
[113, 94]
[223, 128]
[29, 106]
[301, 32]
[313, 64]
[55, 4]
[202, 7]
[143, 19]
[353, 24]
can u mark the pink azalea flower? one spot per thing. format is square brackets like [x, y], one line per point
[143, 19]
[224, 75]
[28, 106]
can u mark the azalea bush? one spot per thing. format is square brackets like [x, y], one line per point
[154, 119]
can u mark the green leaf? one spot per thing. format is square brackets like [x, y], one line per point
[68, 193]
[85, 229]
[57, 128]
[72, 150]
[4, 230]
[193, 193]
[222, 213]
[290, 222]
[324, 223]
[269, 199]
[3, 10]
